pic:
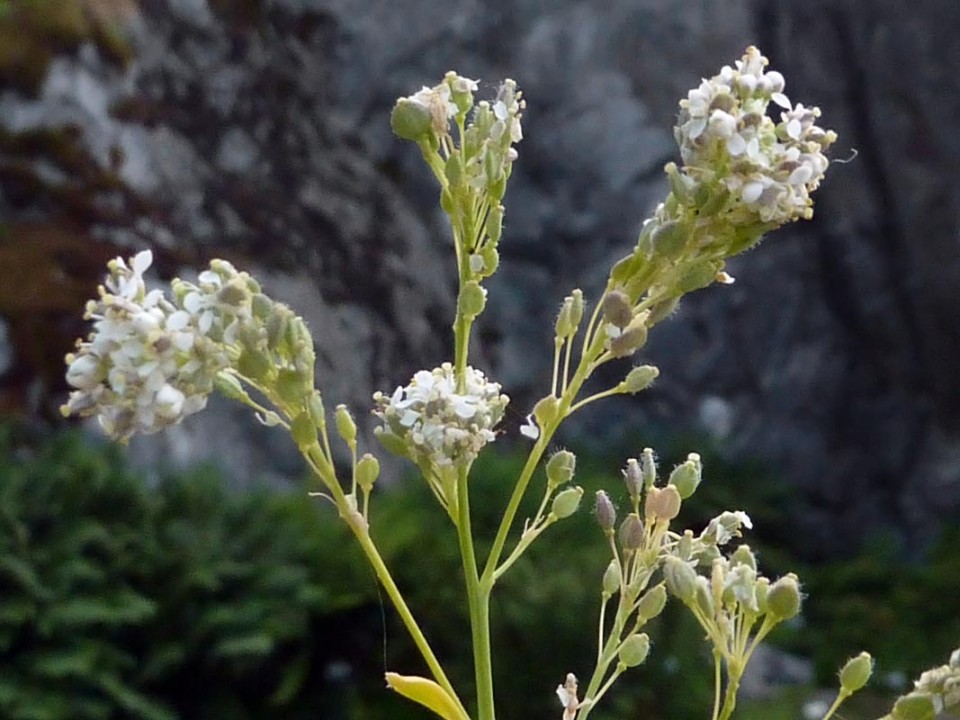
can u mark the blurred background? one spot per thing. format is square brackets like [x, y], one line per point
[187, 577]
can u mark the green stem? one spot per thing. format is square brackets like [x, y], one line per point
[478, 601]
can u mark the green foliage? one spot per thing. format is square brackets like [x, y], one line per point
[122, 601]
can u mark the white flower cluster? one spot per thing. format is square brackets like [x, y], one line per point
[439, 101]
[438, 423]
[724, 133]
[146, 364]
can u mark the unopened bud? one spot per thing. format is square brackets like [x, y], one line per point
[761, 589]
[230, 387]
[697, 275]
[856, 673]
[495, 223]
[743, 555]
[648, 464]
[566, 502]
[410, 120]
[915, 706]
[564, 326]
[473, 299]
[703, 597]
[346, 426]
[617, 308]
[560, 468]
[315, 408]
[254, 363]
[392, 443]
[630, 340]
[652, 602]
[783, 598]
[669, 239]
[368, 470]
[634, 650]
[686, 476]
[639, 378]
[631, 532]
[662, 503]
[290, 386]
[633, 479]
[612, 577]
[605, 512]
[453, 168]
[662, 310]
[261, 305]
[681, 579]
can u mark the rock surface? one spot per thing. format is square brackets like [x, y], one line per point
[259, 131]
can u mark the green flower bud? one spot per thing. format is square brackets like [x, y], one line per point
[783, 598]
[686, 476]
[410, 120]
[631, 532]
[234, 293]
[856, 673]
[453, 169]
[290, 386]
[612, 577]
[491, 260]
[697, 275]
[564, 327]
[472, 300]
[662, 503]
[368, 470]
[704, 598]
[633, 479]
[634, 650]
[261, 306]
[662, 310]
[346, 427]
[318, 414]
[681, 185]
[681, 579]
[743, 555]
[639, 378]
[652, 602]
[685, 545]
[625, 268]
[560, 468]
[277, 325]
[254, 364]
[495, 223]
[605, 513]
[648, 464]
[761, 589]
[447, 203]
[230, 387]
[392, 443]
[566, 502]
[545, 411]
[303, 430]
[617, 308]
[915, 706]
[576, 311]
[669, 239]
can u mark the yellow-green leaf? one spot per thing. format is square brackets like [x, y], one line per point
[427, 693]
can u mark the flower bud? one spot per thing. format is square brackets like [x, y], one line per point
[783, 597]
[612, 577]
[545, 411]
[633, 479]
[697, 275]
[346, 426]
[761, 589]
[630, 340]
[670, 238]
[566, 502]
[685, 545]
[318, 414]
[617, 308]
[856, 673]
[605, 512]
[681, 579]
[703, 597]
[686, 476]
[662, 503]
[648, 464]
[235, 293]
[261, 306]
[410, 120]
[639, 378]
[631, 532]
[230, 387]
[560, 468]
[368, 470]
[743, 555]
[652, 602]
[453, 168]
[290, 386]
[634, 650]
[472, 300]
[303, 430]
[495, 223]
[662, 310]
[915, 706]
[254, 364]
[392, 443]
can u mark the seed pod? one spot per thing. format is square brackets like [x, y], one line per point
[915, 706]
[652, 602]
[617, 308]
[410, 120]
[631, 532]
[605, 513]
[566, 502]
[634, 650]
[472, 300]
[303, 430]
[633, 479]
[639, 378]
[686, 476]
[560, 468]
[612, 577]
[662, 503]
[856, 673]
[368, 470]
[783, 598]
[681, 579]
[346, 427]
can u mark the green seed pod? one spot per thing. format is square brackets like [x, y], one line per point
[560, 468]
[617, 308]
[652, 602]
[633, 479]
[491, 260]
[315, 407]
[612, 577]
[915, 706]
[685, 545]
[639, 378]
[634, 650]
[681, 579]
[783, 598]
[447, 202]
[410, 120]
[346, 427]
[472, 300]
[856, 673]
[605, 513]
[576, 309]
[495, 223]
[453, 169]
[303, 430]
[687, 476]
[368, 470]
[566, 502]
[631, 532]
[545, 411]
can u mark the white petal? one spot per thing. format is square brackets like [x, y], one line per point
[141, 261]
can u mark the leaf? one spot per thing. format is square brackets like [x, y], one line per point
[427, 693]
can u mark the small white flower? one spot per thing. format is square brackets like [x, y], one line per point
[529, 429]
